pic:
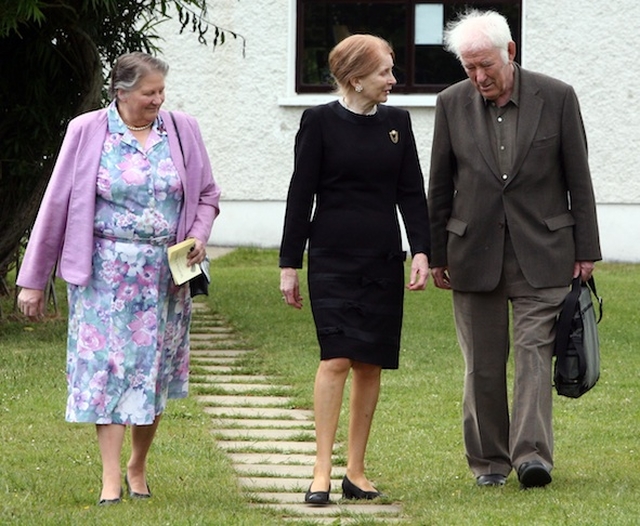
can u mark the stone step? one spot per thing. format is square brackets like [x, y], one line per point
[272, 458]
[231, 378]
[214, 360]
[260, 412]
[343, 521]
[199, 336]
[244, 401]
[213, 343]
[215, 353]
[244, 388]
[286, 470]
[216, 368]
[203, 328]
[272, 484]
[254, 423]
[203, 320]
[271, 446]
[285, 497]
[336, 509]
[265, 434]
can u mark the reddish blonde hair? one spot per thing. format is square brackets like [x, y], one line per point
[356, 56]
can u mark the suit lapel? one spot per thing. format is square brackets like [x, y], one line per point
[478, 126]
[529, 113]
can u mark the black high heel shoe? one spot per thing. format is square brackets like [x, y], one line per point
[351, 491]
[109, 502]
[135, 495]
[317, 497]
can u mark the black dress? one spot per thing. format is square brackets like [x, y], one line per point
[360, 170]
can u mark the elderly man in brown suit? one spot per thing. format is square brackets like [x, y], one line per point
[513, 219]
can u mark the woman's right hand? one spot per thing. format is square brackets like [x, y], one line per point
[31, 302]
[290, 287]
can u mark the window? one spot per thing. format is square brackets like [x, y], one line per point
[413, 27]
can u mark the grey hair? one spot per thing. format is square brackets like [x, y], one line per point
[475, 30]
[130, 68]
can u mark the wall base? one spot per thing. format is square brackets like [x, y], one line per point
[259, 224]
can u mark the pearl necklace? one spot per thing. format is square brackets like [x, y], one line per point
[138, 128]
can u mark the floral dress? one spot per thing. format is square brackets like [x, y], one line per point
[128, 341]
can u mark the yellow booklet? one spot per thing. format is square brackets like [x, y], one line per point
[178, 261]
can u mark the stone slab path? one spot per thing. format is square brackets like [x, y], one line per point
[271, 444]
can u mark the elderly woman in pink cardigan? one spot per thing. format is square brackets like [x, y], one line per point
[130, 180]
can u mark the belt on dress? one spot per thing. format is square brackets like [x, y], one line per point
[156, 241]
[359, 252]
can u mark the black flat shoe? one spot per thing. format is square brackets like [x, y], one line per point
[492, 479]
[533, 474]
[109, 502]
[317, 497]
[135, 495]
[351, 491]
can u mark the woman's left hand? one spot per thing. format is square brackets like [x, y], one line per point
[197, 253]
[290, 287]
[419, 272]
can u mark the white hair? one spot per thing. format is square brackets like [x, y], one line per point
[130, 68]
[475, 30]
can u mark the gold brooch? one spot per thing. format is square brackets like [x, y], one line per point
[393, 135]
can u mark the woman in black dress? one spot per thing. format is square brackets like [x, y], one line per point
[357, 159]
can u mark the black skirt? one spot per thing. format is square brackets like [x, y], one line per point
[357, 300]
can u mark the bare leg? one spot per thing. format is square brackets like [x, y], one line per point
[141, 440]
[110, 439]
[365, 389]
[327, 400]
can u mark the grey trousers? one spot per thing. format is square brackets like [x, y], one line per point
[495, 443]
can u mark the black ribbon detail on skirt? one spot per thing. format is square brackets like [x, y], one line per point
[356, 334]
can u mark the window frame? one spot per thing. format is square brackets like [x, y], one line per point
[408, 89]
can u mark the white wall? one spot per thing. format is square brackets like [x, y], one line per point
[249, 113]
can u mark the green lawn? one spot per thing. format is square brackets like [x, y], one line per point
[50, 471]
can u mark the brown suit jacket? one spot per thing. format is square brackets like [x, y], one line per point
[547, 200]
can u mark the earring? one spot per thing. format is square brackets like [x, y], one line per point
[358, 88]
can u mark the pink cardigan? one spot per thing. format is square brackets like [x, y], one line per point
[63, 230]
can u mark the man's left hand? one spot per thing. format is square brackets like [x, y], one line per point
[584, 269]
